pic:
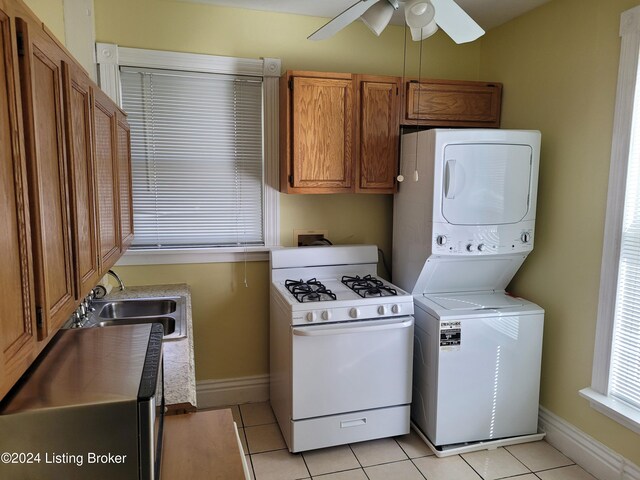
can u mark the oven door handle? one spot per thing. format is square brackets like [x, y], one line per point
[351, 328]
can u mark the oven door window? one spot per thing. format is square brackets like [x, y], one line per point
[351, 366]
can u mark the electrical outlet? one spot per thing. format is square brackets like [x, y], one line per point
[305, 238]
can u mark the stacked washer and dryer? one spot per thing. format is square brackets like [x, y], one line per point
[458, 239]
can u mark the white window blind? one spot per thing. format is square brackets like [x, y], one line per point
[624, 377]
[197, 160]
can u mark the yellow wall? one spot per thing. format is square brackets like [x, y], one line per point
[51, 12]
[225, 313]
[559, 67]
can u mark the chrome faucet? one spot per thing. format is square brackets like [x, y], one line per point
[115, 275]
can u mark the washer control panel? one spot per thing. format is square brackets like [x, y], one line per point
[482, 240]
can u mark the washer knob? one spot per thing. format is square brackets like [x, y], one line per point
[525, 237]
[354, 312]
[395, 308]
[382, 310]
[326, 315]
[311, 316]
[441, 240]
[470, 247]
[481, 247]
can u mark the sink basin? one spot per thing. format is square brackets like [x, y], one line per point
[169, 311]
[136, 308]
[168, 323]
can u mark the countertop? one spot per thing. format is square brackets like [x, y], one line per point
[179, 364]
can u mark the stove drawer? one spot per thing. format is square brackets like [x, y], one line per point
[349, 428]
[351, 366]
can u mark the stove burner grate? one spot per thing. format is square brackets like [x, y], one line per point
[368, 286]
[309, 291]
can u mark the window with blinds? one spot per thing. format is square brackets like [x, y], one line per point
[624, 375]
[197, 159]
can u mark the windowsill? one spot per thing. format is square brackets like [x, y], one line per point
[614, 409]
[195, 255]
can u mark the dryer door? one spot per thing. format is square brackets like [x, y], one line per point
[486, 184]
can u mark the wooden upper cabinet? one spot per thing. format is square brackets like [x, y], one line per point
[317, 118]
[107, 173]
[124, 180]
[41, 87]
[81, 178]
[378, 133]
[451, 103]
[18, 340]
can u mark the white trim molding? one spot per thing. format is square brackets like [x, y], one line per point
[111, 57]
[621, 142]
[593, 456]
[232, 391]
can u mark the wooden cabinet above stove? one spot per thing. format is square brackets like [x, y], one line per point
[339, 132]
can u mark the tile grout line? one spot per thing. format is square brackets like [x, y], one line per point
[411, 459]
[358, 460]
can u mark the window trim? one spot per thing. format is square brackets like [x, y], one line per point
[628, 72]
[110, 57]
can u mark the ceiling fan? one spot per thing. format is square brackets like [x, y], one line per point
[423, 18]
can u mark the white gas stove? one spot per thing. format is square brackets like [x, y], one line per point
[341, 347]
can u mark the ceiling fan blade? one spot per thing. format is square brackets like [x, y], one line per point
[455, 21]
[350, 15]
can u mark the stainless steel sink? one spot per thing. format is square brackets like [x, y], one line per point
[168, 323]
[169, 311]
[135, 308]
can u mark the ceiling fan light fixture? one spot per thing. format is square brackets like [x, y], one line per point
[378, 17]
[418, 34]
[418, 13]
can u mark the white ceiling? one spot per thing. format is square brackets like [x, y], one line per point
[487, 13]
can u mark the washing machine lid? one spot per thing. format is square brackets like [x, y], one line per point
[476, 301]
[443, 274]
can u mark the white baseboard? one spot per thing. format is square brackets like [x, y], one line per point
[231, 391]
[593, 456]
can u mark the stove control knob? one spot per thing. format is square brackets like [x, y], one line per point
[326, 315]
[525, 237]
[470, 247]
[441, 240]
[395, 308]
[481, 247]
[382, 310]
[354, 312]
[311, 316]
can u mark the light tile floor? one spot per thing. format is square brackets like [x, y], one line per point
[399, 458]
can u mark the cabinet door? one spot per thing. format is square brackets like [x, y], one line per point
[322, 135]
[124, 178]
[81, 175]
[18, 341]
[41, 81]
[452, 103]
[378, 134]
[104, 129]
